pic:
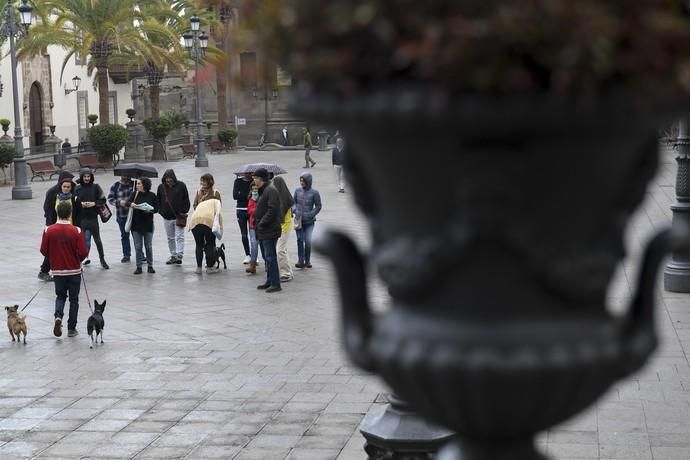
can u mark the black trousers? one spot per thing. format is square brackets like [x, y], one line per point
[205, 243]
[243, 222]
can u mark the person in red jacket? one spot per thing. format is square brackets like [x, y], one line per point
[64, 245]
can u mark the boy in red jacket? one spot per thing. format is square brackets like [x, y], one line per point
[64, 245]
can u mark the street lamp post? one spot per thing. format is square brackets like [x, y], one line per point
[197, 42]
[265, 99]
[11, 30]
[677, 271]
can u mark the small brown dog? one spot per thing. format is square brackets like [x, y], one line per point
[16, 322]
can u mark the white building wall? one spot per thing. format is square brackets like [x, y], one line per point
[64, 112]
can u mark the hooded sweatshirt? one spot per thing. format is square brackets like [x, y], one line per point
[87, 193]
[52, 193]
[172, 200]
[307, 201]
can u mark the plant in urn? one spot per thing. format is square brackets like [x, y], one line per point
[534, 123]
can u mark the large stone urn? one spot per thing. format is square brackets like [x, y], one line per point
[496, 226]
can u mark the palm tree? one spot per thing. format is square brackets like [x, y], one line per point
[221, 33]
[100, 29]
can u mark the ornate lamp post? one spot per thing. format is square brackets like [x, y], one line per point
[677, 272]
[197, 42]
[11, 30]
[259, 96]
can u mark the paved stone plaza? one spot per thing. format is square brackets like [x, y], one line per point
[207, 366]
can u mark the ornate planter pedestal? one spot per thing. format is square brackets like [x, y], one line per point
[398, 433]
[498, 327]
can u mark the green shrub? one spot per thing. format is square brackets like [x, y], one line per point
[227, 136]
[168, 122]
[5, 123]
[130, 113]
[107, 139]
[6, 155]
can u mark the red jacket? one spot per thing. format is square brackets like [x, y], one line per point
[251, 206]
[65, 247]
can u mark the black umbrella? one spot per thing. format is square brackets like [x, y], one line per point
[135, 170]
[251, 167]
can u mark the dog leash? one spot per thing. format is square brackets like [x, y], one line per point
[86, 291]
[32, 298]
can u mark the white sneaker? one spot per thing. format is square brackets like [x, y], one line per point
[211, 270]
[247, 260]
[86, 262]
[198, 270]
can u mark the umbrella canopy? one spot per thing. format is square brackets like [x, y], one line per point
[135, 170]
[251, 167]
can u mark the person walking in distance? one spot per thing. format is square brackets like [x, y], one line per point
[267, 219]
[173, 206]
[117, 197]
[307, 206]
[50, 216]
[286, 204]
[65, 247]
[145, 205]
[240, 193]
[308, 162]
[90, 195]
[338, 158]
[285, 140]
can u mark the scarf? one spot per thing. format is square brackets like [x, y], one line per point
[64, 196]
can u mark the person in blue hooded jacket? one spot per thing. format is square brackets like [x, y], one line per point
[307, 206]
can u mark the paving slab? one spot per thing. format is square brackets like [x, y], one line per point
[207, 366]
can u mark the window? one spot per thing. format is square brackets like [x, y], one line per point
[248, 70]
[112, 106]
[82, 112]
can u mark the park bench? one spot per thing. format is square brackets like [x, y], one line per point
[41, 168]
[90, 160]
[188, 150]
[216, 146]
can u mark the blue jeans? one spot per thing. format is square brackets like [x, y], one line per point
[304, 243]
[124, 237]
[268, 248]
[64, 286]
[143, 240]
[253, 245]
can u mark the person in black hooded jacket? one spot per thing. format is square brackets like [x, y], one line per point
[173, 201]
[51, 217]
[88, 196]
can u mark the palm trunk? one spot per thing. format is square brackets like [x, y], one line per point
[103, 103]
[221, 95]
[158, 147]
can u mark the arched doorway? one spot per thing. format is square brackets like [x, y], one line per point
[36, 114]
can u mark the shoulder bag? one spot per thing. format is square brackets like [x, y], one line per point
[180, 219]
[104, 212]
[130, 213]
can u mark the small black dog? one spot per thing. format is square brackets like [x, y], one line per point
[220, 255]
[96, 323]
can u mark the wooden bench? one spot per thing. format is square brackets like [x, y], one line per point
[188, 150]
[216, 146]
[90, 160]
[41, 168]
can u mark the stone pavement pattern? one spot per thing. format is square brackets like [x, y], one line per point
[207, 366]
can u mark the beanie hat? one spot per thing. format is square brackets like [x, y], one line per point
[262, 173]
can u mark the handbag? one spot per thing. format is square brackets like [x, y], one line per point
[217, 229]
[104, 212]
[297, 223]
[130, 214]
